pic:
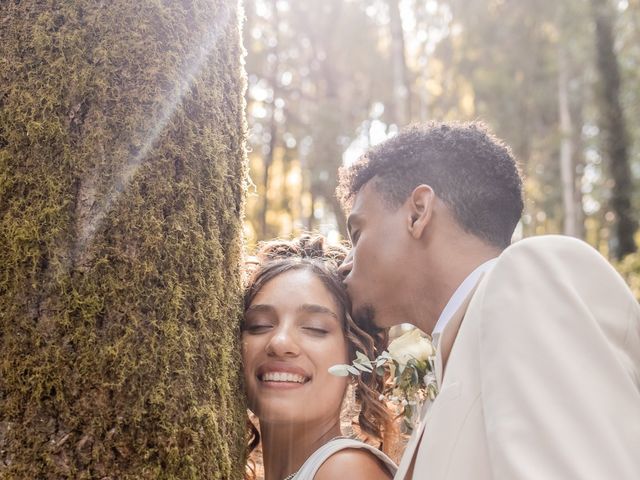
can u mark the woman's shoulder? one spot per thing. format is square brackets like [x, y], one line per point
[357, 463]
[347, 456]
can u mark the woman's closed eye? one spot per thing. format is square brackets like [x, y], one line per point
[256, 328]
[319, 331]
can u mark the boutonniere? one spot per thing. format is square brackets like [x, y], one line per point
[409, 362]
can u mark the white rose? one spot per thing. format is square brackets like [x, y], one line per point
[410, 345]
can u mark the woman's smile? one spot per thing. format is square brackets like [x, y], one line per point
[282, 375]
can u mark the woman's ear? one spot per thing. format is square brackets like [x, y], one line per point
[420, 203]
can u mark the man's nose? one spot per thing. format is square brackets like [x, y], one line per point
[345, 268]
[283, 343]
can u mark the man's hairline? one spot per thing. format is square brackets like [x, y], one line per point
[387, 202]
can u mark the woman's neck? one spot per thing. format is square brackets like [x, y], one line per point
[286, 447]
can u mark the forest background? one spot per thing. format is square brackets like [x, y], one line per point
[558, 81]
[123, 181]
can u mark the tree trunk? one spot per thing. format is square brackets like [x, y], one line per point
[273, 123]
[401, 88]
[122, 166]
[579, 163]
[268, 162]
[613, 128]
[567, 170]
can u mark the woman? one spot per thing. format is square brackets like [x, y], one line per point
[296, 326]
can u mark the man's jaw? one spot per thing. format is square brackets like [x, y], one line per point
[365, 317]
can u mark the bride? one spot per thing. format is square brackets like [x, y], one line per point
[296, 325]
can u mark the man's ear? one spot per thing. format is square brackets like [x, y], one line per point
[420, 203]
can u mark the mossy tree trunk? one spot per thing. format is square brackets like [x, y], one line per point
[121, 190]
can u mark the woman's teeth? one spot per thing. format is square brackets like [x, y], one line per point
[282, 377]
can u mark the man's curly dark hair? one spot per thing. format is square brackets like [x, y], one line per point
[472, 171]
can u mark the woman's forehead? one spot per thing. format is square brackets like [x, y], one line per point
[296, 287]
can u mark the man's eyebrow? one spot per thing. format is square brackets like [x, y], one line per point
[313, 308]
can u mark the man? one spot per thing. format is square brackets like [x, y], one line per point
[538, 343]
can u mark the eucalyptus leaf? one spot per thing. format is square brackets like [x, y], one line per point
[362, 357]
[380, 361]
[339, 370]
[364, 368]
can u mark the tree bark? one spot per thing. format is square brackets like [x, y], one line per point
[567, 170]
[613, 129]
[122, 167]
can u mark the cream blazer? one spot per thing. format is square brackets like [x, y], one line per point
[543, 379]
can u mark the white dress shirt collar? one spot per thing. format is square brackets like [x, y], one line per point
[460, 294]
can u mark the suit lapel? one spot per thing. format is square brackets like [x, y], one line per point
[449, 334]
[446, 339]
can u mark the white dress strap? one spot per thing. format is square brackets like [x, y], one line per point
[315, 461]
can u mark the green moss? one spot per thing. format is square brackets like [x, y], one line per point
[119, 346]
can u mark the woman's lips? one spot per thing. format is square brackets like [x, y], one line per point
[283, 377]
[280, 375]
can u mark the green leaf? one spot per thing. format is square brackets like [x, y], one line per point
[386, 355]
[380, 361]
[364, 368]
[362, 357]
[339, 370]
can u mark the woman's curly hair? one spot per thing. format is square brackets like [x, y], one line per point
[311, 252]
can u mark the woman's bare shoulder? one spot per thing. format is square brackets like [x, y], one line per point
[357, 463]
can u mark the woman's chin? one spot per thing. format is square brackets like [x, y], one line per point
[285, 415]
[279, 409]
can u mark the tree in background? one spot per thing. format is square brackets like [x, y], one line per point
[614, 130]
[326, 85]
[121, 190]
[401, 85]
[527, 68]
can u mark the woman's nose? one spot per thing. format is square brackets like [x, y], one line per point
[283, 343]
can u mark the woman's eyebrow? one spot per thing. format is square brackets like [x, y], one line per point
[313, 308]
[260, 308]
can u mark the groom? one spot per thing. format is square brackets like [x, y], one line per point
[538, 343]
